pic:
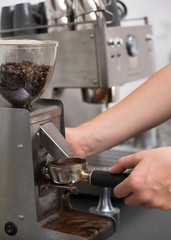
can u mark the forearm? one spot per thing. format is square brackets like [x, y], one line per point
[148, 106]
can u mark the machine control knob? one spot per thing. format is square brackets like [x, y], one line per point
[149, 37]
[10, 228]
[115, 42]
[110, 42]
[132, 45]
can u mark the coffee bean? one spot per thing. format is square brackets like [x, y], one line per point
[28, 69]
[23, 75]
[17, 71]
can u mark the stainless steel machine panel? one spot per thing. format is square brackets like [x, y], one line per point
[17, 199]
[128, 54]
[76, 62]
[101, 56]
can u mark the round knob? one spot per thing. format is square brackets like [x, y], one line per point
[132, 45]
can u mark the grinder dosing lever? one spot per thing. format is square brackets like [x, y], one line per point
[71, 170]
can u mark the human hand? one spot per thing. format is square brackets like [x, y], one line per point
[149, 183]
[75, 139]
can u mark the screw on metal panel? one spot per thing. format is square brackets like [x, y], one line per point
[95, 82]
[20, 146]
[38, 134]
[45, 170]
[46, 189]
[149, 37]
[21, 217]
[91, 36]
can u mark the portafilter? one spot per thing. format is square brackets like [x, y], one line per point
[72, 170]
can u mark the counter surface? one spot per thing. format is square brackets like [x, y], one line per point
[136, 223]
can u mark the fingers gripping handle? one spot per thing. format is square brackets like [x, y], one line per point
[106, 179]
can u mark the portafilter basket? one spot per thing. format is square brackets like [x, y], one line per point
[26, 67]
[72, 170]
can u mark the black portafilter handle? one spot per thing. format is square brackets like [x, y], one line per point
[106, 179]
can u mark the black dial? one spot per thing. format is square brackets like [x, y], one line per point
[10, 228]
[132, 45]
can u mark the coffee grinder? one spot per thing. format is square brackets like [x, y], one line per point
[32, 134]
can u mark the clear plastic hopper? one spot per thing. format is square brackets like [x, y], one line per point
[26, 67]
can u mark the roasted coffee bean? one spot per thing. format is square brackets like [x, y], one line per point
[24, 75]
[17, 71]
[29, 69]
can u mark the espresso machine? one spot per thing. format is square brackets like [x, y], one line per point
[32, 206]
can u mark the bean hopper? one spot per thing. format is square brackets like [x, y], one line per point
[32, 206]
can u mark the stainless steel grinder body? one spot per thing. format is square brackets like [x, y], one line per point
[27, 204]
[18, 202]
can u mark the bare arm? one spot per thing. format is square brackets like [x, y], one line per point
[146, 107]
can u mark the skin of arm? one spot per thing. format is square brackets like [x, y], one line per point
[146, 107]
[149, 183]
